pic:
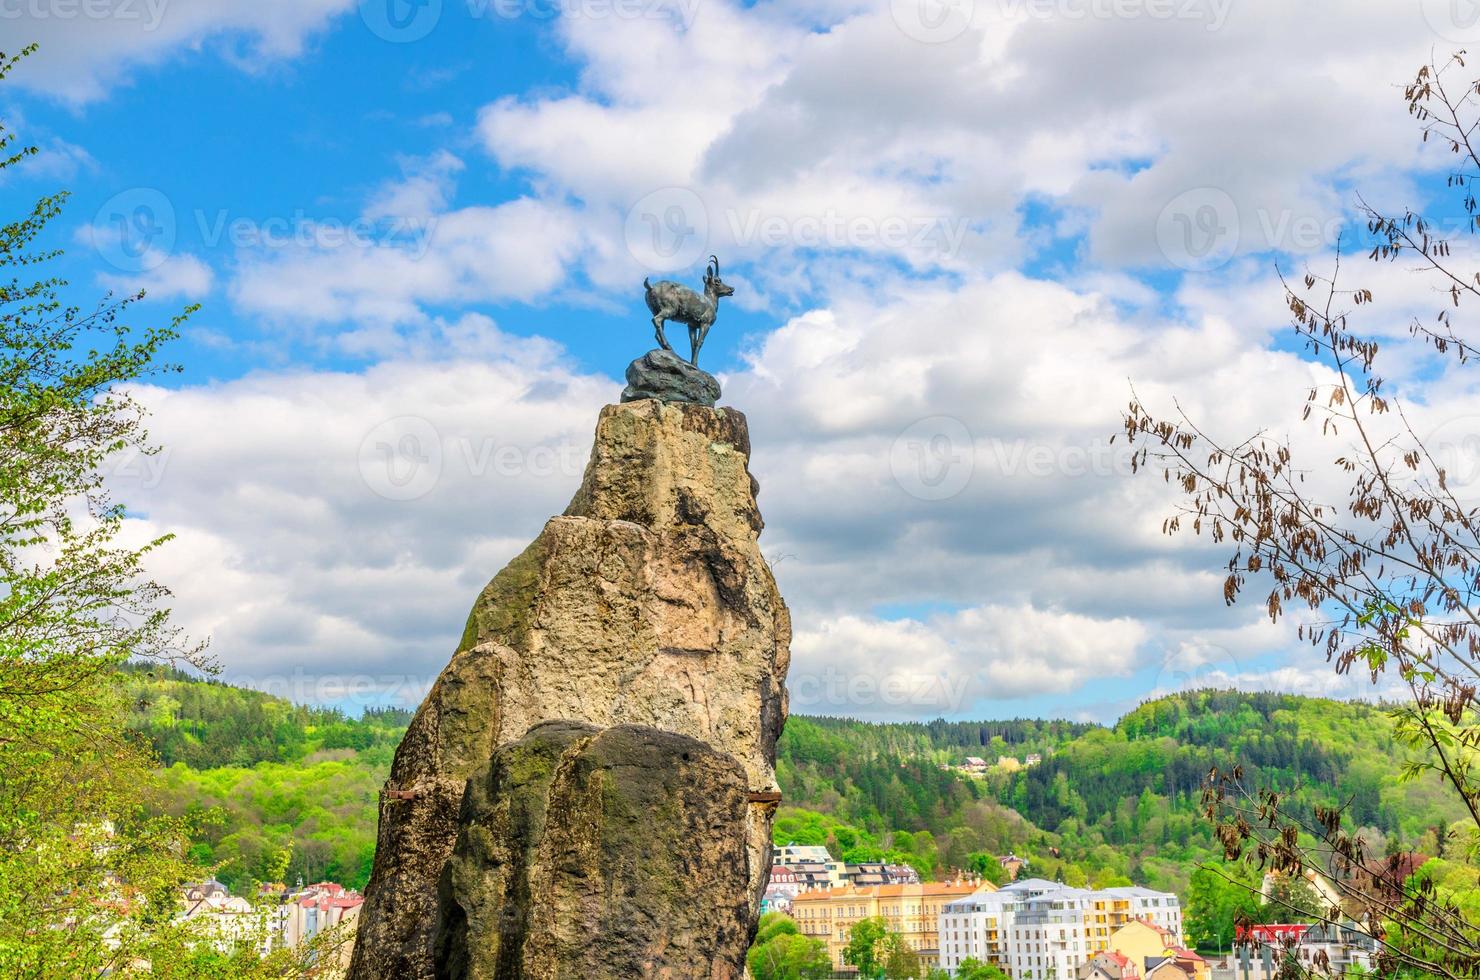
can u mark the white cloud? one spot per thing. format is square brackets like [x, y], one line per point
[1099, 110]
[514, 251]
[84, 48]
[953, 664]
[165, 277]
[340, 524]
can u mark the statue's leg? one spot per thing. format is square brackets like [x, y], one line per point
[703, 332]
[695, 342]
[658, 326]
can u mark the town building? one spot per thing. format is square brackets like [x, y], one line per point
[1034, 929]
[813, 863]
[780, 889]
[317, 909]
[912, 910]
[1149, 945]
[1108, 965]
[1260, 949]
[1012, 864]
[879, 873]
[227, 921]
[279, 918]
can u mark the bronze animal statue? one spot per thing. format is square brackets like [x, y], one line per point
[677, 302]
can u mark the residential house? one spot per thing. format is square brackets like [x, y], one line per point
[224, 919]
[912, 910]
[319, 908]
[1012, 864]
[1107, 965]
[1150, 944]
[1168, 968]
[1033, 759]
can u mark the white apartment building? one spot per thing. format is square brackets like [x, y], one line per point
[1042, 930]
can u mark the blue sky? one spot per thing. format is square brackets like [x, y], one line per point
[970, 225]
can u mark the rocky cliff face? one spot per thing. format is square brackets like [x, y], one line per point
[587, 852]
[646, 604]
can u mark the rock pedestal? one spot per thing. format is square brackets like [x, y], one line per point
[663, 375]
[644, 613]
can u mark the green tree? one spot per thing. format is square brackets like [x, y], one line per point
[781, 952]
[865, 948]
[1217, 898]
[900, 961]
[974, 969]
[985, 864]
[1293, 899]
[88, 877]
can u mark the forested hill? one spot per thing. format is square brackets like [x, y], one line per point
[293, 789]
[1107, 803]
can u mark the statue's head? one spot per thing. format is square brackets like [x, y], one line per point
[713, 281]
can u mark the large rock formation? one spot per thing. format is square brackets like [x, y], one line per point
[646, 604]
[587, 852]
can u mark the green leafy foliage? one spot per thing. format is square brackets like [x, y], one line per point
[781, 952]
[865, 948]
[972, 968]
[88, 868]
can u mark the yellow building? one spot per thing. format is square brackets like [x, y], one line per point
[913, 911]
[1150, 947]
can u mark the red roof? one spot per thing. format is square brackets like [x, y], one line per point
[1272, 933]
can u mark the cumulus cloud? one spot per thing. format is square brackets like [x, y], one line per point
[86, 47]
[1097, 113]
[386, 274]
[165, 276]
[952, 664]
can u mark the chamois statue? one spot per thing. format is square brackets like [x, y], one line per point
[677, 302]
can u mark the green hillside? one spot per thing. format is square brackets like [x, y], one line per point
[292, 790]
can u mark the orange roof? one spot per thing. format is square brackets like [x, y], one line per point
[924, 890]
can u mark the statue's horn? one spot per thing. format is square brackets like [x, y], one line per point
[714, 261]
